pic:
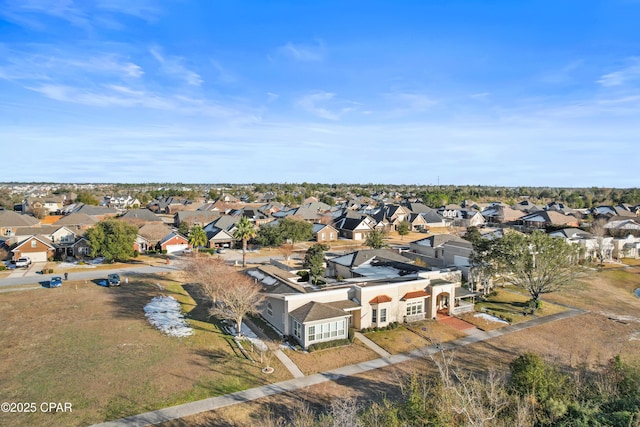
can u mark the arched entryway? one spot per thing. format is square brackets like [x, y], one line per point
[443, 304]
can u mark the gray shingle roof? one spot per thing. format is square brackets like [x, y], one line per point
[314, 311]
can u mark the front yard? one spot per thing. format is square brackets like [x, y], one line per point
[510, 305]
[414, 336]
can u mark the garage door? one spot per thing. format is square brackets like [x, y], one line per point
[36, 256]
[460, 260]
[176, 248]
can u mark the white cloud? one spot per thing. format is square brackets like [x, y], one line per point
[79, 13]
[310, 103]
[305, 53]
[173, 65]
[407, 103]
[622, 76]
[481, 95]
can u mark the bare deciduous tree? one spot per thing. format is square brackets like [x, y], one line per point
[286, 250]
[233, 294]
[603, 245]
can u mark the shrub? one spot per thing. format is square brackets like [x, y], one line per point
[329, 344]
[352, 334]
[3, 267]
[50, 270]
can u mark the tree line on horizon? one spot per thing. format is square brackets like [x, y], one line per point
[294, 194]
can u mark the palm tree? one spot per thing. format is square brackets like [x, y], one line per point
[197, 237]
[244, 231]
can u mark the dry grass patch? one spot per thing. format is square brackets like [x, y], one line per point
[331, 358]
[401, 339]
[93, 347]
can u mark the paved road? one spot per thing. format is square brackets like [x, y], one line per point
[33, 278]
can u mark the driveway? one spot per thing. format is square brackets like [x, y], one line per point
[32, 270]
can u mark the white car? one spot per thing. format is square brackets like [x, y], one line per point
[23, 262]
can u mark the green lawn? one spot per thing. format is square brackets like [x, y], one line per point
[510, 304]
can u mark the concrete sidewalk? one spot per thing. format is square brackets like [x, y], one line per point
[373, 346]
[213, 403]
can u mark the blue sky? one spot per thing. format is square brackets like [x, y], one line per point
[537, 93]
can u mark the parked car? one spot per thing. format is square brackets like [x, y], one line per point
[55, 282]
[23, 262]
[113, 280]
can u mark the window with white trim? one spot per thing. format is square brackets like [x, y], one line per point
[414, 307]
[325, 331]
[374, 315]
[34, 243]
[297, 329]
[383, 315]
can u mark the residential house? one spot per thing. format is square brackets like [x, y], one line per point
[501, 214]
[139, 216]
[120, 202]
[417, 222]
[626, 247]
[76, 221]
[591, 247]
[354, 228]
[48, 204]
[358, 263]
[431, 249]
[620, 226]
[11, 223]
[38, 248]
[196, 217]
[98, 213]
[168, 205]
[545, 219]
[150, 235]
[80, 248]
[313, 315]
[173, 242]
[323, 233]
[468, 218]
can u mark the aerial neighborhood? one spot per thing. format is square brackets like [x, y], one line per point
[363, 284]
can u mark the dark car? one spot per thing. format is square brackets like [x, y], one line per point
[113, 280]
[55, 282]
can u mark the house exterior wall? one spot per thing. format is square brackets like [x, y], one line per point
[63, 236]
[273, 311]
[176, 243]
[395, 309]
[455, 255]
[327, 234]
